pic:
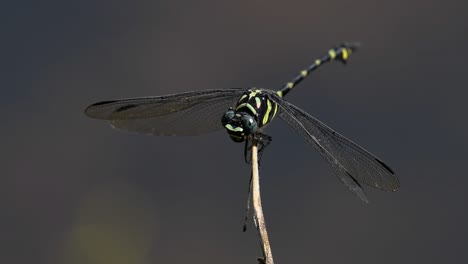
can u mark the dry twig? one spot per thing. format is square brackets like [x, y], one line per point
[258, 211]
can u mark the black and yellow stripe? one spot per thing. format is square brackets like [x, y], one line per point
[340, 52]
[246, 111]
[256, 102]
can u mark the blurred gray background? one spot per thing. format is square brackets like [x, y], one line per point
[75, 191]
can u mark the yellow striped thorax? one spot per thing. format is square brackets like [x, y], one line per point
[253, 111]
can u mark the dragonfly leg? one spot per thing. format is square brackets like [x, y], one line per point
[262, 140]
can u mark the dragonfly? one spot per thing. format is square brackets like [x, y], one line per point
[244, 113]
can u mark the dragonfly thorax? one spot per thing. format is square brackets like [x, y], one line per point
[239, 125]
[253, 111]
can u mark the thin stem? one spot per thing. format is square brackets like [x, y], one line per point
[247, 209]
[258, 211]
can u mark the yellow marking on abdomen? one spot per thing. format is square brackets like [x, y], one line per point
[304, 73]
[332, 54]
[290, 85]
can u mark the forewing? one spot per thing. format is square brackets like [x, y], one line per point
[189, 113]
[346, 157]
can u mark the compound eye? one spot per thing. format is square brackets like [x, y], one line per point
[249, 124]
[228, 116]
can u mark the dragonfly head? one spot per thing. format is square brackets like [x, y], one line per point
[239, 125]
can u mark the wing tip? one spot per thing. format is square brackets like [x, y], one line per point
[356, 189]
[396, 187]
[89, 111]
[395, 184]
[385, 166]
[94, 112]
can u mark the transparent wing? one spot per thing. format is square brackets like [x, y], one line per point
[351, 163]
[189, 113]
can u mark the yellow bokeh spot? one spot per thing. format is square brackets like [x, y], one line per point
[114, 224]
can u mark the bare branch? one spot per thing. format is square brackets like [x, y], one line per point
[258, 211]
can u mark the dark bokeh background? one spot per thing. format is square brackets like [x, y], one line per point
[75, 191]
